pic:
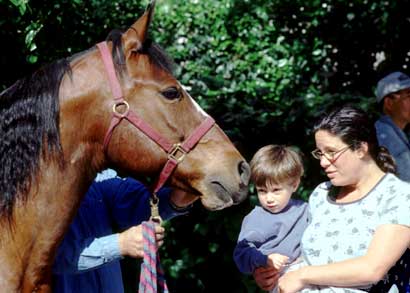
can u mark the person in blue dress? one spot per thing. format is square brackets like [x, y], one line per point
[88, 259]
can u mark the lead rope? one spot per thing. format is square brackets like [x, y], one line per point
[152, 278]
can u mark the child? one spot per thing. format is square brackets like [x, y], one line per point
[271, 233]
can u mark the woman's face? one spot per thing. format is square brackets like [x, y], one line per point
[341, 164]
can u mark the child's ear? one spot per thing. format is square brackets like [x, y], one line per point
[296, 185]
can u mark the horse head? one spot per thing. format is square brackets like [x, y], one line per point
[77, 116]
[213, 171]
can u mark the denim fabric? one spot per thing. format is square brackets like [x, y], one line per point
[397, 142]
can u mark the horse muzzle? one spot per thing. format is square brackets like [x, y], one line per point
[223, 193]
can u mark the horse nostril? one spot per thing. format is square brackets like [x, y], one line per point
[244, 172]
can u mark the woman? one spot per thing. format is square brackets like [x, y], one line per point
[360, 219]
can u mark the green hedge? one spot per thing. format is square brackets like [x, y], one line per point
[264, 69]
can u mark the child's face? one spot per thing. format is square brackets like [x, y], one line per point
[275, 197]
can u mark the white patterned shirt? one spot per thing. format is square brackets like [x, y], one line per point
[341, 231]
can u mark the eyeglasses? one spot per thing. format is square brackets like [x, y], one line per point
[330, 155]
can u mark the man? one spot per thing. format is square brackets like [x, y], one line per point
[393, 96]
[88, 259]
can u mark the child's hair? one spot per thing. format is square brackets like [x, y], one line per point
[275, 164]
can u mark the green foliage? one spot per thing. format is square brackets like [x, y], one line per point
[264, 69]
[21, 5]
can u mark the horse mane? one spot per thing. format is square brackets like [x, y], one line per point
[156, 54]
[29, 123]
[29, 119]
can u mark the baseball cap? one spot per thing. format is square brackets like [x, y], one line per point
[391, 83]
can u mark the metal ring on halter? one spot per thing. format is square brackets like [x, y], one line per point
[177, 150]
[125, 112]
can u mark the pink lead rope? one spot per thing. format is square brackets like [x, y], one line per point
[151, 266]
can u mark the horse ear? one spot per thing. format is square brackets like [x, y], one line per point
[136, 35]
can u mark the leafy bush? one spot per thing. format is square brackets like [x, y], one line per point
[264, 69]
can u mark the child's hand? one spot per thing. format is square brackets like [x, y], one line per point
[277, 260]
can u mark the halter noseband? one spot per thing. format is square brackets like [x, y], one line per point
[176, 152]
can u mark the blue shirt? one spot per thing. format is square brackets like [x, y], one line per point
[263, 233]
[396, 141]
[90, 243]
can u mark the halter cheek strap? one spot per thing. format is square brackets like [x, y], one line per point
[176, 151]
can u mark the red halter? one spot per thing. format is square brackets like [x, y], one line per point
[176, 152]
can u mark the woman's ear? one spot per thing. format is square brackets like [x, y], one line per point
[363, 150]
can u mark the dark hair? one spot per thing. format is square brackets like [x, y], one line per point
[276, 164]
[29, 112]
[353, 127]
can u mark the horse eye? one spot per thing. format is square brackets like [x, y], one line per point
[171, 93]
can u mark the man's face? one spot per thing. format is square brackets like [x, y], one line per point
[398, 106]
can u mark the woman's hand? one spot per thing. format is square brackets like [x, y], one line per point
[266, 277]
[131, 240]
[291, 282]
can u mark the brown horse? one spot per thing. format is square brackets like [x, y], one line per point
[53, 126]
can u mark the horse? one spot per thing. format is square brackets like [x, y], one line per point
[72, 118]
